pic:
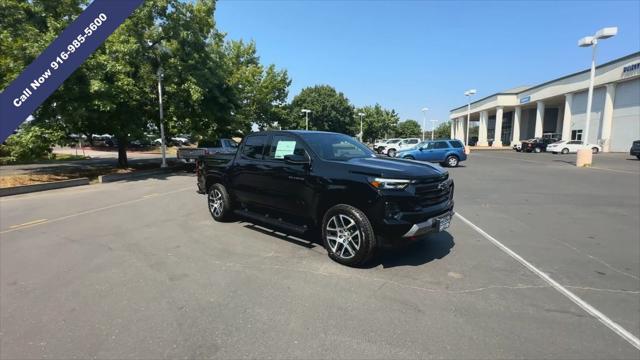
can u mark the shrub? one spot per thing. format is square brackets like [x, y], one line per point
[32, 143]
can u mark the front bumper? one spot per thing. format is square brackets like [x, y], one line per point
[432, 225]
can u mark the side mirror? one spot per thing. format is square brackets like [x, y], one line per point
[296, 159]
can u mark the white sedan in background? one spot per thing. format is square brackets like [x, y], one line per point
[572, 146]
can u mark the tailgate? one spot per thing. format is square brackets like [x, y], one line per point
[190, 153]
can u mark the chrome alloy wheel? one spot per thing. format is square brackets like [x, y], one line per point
[343, 236]
[215, 202]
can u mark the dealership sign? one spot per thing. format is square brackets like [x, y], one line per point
[631, 70]
[525, 99]
[60, 59]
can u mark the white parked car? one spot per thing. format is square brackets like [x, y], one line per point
[178, 140]
[572, 146]
[381, 144]
[405, 144]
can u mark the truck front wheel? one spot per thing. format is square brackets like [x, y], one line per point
[219, 202]
[348, 235]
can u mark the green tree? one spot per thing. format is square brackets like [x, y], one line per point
[442, 131]
[261, 93]
[115, 90]
[31, 142]
[377, 121]
[330, 111]
[408, 128]
[27, 27]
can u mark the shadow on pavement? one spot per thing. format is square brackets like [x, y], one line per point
[566, 162]
[421, 252]
[425, 250]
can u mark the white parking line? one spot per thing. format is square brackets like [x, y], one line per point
[563, 290]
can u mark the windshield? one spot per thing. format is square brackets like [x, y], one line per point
[337, 147]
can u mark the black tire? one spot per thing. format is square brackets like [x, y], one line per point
[537, 150]
[595, 150]
[409, 157]
[452, 161]
[564, 151]
[638, 156]
[391, 153]
[344, 228]
[223, 210]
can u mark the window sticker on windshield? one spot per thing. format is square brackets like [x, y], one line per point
[283, 148]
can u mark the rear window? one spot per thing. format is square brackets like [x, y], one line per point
[456, 144]
[254, 146]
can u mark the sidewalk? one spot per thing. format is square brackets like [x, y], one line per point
[502, 148]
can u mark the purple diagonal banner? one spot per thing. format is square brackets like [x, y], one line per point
[60, 59]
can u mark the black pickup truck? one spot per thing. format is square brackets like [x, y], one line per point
[330, 183]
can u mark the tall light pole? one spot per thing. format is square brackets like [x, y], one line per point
[433, 127]
[424, 120]
[361, 114]
[306, 114]
[469, 93]
[164, 151]
[592, 41]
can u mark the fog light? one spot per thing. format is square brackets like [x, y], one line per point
[391, 210]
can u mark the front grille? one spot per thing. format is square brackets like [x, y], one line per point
[430, 194]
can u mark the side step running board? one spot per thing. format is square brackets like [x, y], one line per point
[298, 229]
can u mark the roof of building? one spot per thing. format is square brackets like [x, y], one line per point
[521, 89]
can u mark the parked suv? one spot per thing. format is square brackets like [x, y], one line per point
[379, 145]
[445, 152]
[328, 182]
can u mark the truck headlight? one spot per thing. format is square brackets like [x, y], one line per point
[384, 184]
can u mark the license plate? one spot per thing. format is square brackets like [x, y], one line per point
[444, 222]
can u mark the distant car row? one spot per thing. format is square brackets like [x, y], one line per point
[391, 146]
[555, 146]
[445, 152]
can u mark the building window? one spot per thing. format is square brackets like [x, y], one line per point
[576, 134]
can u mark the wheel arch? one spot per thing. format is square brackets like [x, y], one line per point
[330, 198]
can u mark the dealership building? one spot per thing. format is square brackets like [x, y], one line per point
[557, 108]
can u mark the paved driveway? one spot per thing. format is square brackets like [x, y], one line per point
[140, 270]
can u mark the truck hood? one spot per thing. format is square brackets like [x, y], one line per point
[394, 168]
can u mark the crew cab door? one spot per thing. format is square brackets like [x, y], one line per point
[288, 186]
[247, 174]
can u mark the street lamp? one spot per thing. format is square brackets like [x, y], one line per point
[424, 120]
[164, 152]
[361, 114]
[433, 127]
[306, 114]
[468, 94]
[592, 41]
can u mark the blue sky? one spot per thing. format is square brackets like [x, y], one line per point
[407, 55]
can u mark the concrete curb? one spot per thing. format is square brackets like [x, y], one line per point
[135, 175]
[24, 189]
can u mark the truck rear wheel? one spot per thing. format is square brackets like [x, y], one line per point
[347, 235]
[219, 203]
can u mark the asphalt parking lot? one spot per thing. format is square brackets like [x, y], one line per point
[140, 270]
